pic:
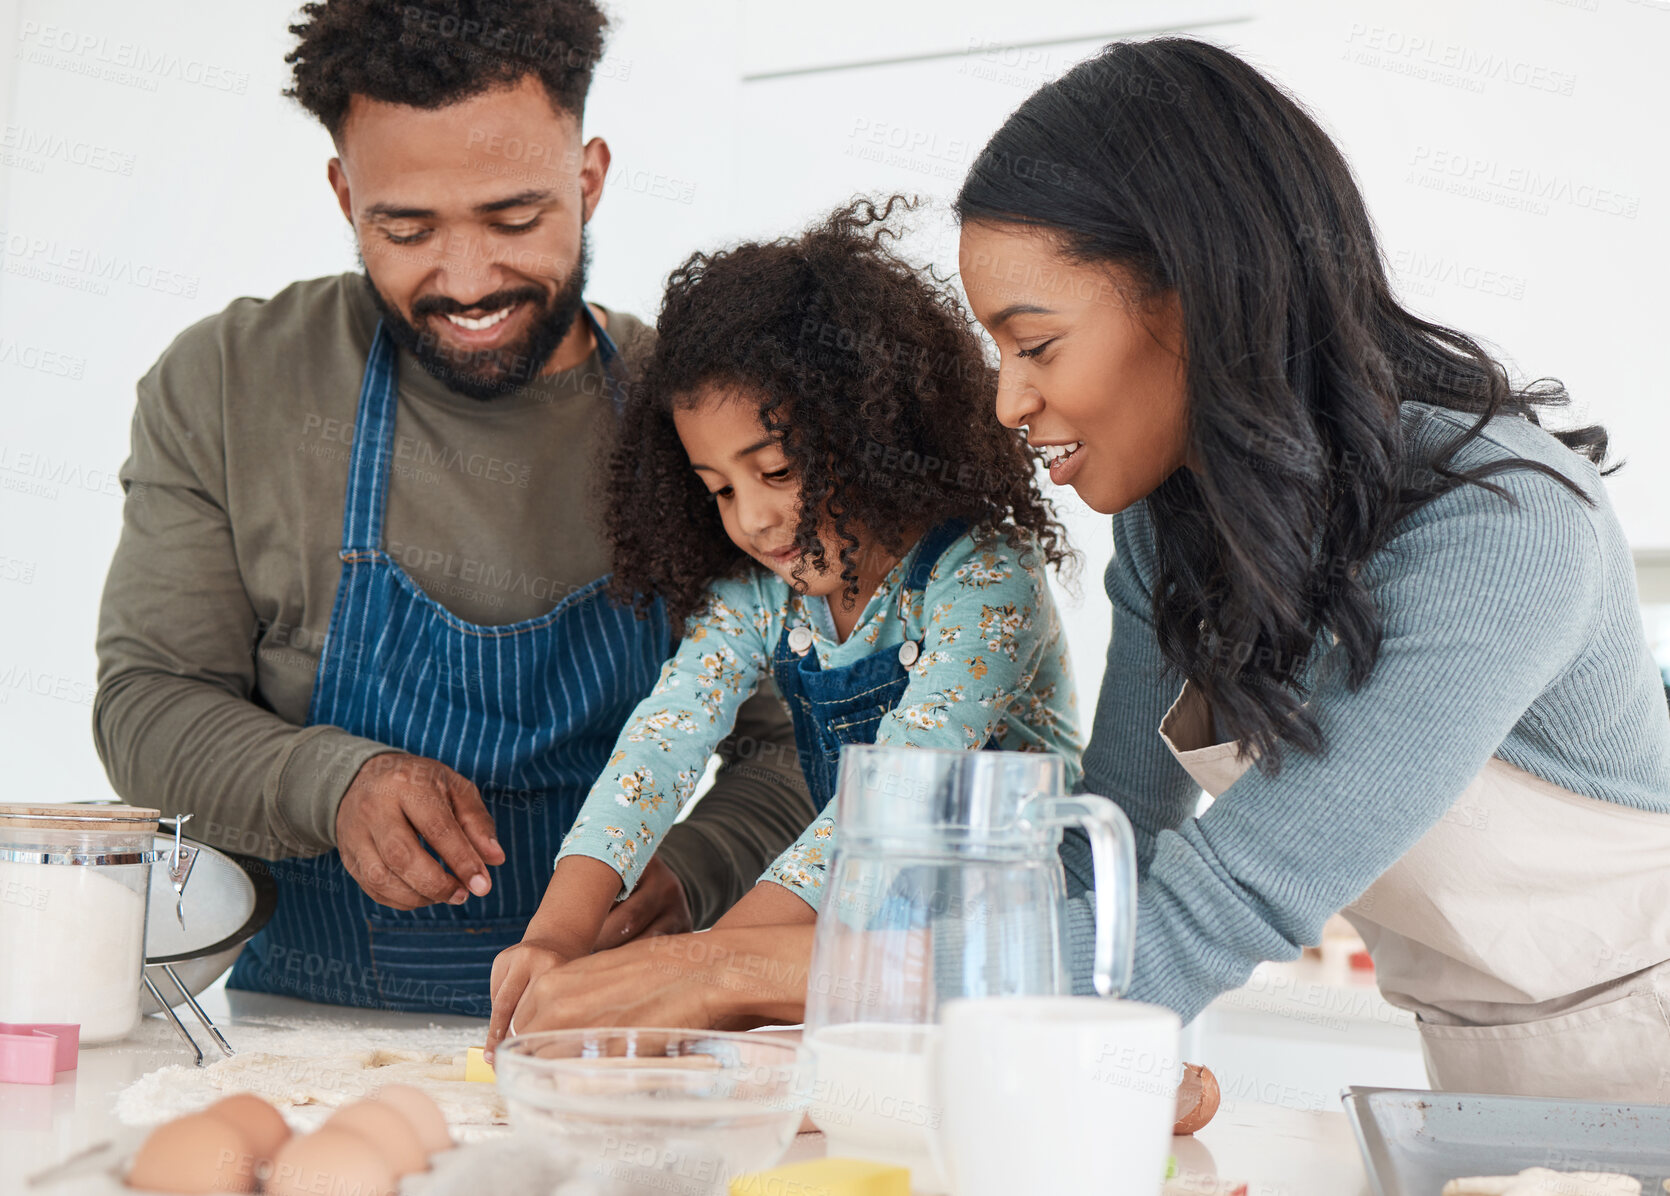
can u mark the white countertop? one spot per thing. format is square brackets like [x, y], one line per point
[1274, 1150]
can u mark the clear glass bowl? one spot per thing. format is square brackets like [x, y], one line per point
[670, 1111]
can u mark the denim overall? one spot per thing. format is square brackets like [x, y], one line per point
[832, 707]
[528, 711]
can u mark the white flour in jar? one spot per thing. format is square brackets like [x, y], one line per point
[72, 942]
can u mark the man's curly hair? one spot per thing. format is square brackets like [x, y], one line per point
[431, 53]
[871, 377]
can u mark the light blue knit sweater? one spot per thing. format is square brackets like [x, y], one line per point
[1509, 631]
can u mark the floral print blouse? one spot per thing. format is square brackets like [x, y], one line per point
[993, 665]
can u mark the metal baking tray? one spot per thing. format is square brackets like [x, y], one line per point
[1414, 1141]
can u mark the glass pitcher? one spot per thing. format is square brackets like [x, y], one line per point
[945, 883]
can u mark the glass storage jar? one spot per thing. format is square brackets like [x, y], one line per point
[74, 885]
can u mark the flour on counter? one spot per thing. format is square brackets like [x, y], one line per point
[310, 1066]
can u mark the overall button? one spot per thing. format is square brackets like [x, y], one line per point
[800, 640]
[908, 652]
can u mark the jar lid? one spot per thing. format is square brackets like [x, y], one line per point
[80, 816]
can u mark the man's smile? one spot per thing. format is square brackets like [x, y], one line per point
[482, 323]
[480, 329]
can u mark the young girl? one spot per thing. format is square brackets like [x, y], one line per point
[811, 477]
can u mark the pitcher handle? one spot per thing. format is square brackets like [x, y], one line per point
[1113, 862]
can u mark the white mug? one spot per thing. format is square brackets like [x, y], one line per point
[1055, 1094]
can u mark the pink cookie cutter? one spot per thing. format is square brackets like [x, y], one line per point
[35, 1052]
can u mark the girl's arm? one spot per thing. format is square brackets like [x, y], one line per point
[666, 744]
[657, 762]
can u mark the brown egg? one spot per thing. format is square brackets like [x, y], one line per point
[331, 1162]
[386, 1128]
[425, 1115]
[194, 1154]
[262, 1125]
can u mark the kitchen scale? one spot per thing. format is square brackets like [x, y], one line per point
[204, 906]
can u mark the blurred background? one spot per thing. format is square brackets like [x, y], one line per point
[1513, 155]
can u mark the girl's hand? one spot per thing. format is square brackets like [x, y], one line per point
[720, 979]
[513, 971]
[566, 926]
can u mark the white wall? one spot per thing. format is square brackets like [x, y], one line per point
[151, 172]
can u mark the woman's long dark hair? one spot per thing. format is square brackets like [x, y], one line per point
[1181, 164]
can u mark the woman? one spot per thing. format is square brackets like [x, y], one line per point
[1360, 595]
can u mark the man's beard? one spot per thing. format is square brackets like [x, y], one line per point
[487, 374]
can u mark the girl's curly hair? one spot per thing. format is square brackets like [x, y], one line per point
[869, 373]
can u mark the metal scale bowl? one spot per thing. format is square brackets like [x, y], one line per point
[204, 905]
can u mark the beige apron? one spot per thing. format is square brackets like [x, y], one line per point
[1528, 931]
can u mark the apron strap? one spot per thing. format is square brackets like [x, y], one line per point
[929, 551]
[368, 464]
[609, 357]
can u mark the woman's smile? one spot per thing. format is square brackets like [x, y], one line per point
[1062, 460]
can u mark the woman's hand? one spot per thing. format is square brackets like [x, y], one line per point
[657, 905]
[721, 979]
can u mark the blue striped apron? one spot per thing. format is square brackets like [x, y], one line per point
[528, 711]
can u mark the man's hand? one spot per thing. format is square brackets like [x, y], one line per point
[657, 906]
[397, 803]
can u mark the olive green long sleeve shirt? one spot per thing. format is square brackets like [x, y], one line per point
[222, 586]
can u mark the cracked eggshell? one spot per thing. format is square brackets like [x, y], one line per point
[1197, 1099]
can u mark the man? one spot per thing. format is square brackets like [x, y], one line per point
[356, 612]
